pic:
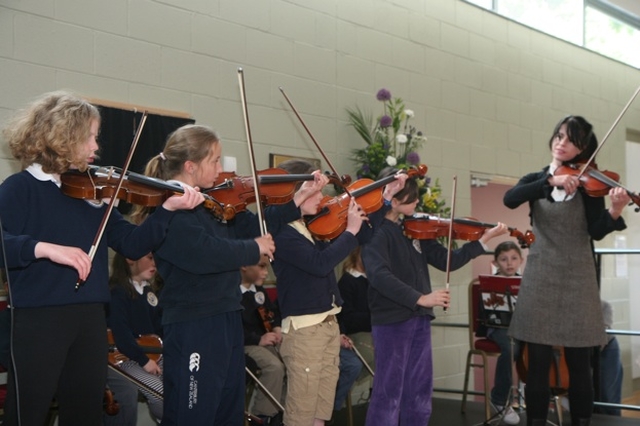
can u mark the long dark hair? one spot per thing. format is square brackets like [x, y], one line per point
[580, 133]
[121, 276]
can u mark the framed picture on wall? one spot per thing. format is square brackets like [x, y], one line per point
[276, 159]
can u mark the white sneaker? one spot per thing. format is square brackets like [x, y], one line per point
[510, 417]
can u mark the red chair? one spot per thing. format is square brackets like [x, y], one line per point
[478, 346]
[272, 291]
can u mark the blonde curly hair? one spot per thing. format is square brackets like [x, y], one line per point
[51, 131]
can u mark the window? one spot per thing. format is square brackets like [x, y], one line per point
[594, 24]
[613, 38]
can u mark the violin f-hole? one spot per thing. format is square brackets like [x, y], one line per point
[311, 218]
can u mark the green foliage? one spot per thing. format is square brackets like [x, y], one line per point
[391, 140]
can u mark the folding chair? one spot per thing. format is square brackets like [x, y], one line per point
[481, 347]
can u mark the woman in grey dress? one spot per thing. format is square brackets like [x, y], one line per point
[559, 302]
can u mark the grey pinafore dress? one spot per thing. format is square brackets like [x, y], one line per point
[559, 301]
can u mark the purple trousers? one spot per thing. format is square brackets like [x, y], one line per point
[403, 383]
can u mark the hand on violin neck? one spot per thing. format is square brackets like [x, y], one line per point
[619, 200]
[355, 217]
[396, 186]
[187, 201]
[310, 188]
[499, 229]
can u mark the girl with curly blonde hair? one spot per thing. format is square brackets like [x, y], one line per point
[47, 235]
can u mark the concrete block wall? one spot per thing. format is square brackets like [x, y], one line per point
[486, 91]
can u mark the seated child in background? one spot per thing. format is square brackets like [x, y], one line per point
[262, 334]
[610, 366]
[355, 317]
[507, 259]
[350, 367]
[133, 312]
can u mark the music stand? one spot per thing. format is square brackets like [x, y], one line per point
[498, 296]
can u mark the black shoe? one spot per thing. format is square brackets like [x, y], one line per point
[277, 419]
[273, 420]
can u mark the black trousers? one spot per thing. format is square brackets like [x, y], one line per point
[58, 352]
[537, 391]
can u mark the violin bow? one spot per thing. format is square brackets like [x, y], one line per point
[364, 362]
[450, 241]
[264, 389]
[606, 136]
[256, 187]
[107, 213]
[295, 111]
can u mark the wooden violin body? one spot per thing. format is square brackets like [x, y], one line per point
[150, 343]
[99, 183]
[596, 183]
[422, 226]
[267, 317]
[276, 187]
[558, 372]
[109, 403]
[331, 220]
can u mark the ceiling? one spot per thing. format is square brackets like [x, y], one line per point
[630, 6]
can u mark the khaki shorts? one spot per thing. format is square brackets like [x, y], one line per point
[312, 357]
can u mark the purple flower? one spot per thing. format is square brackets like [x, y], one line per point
[427, 181]
[383, 95]
[385, 121]
[413, 158]
[366, 168]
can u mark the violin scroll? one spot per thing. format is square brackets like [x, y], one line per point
[110, 404]
[525, 240]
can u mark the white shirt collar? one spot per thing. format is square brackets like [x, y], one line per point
[252, 287]
[139, 286]
[35, 170]
[356, 274]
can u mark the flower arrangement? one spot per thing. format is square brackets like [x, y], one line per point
[392, 141]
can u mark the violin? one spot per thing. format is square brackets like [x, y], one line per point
[267, 317]
[109, 403]
[153, 347]
[276, 187]
[558, 371]
[101, 182]
[422, 226]
[596, 183]
[331, 220]
[150, 343]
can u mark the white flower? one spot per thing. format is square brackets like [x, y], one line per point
[391, 160]
[409, 113]
[401, 138]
